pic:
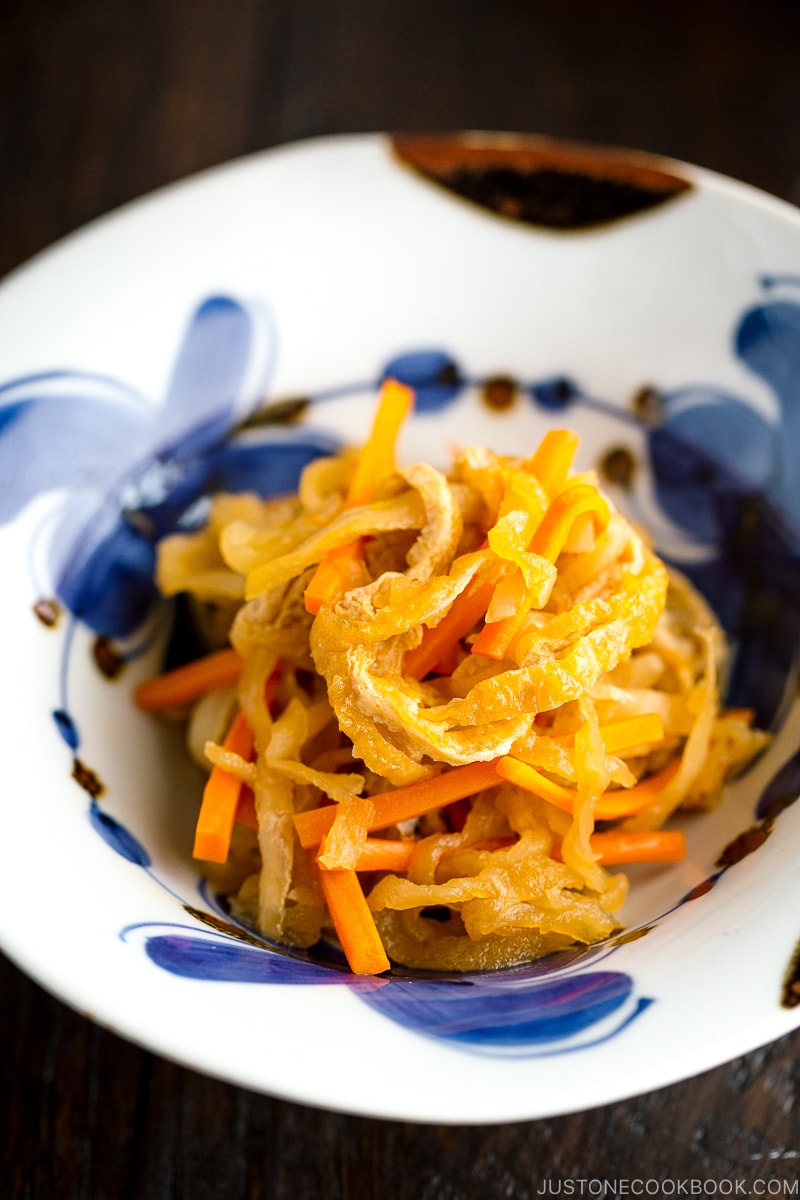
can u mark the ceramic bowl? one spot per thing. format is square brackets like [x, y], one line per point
[517, 284]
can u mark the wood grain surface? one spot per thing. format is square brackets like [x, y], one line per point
[102, 101]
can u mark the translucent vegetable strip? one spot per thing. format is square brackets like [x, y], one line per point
[246, 808]
[404, 803]
[341, 847]
[184, 684]
[375, 462]
[221, 799]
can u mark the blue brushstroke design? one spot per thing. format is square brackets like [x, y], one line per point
[540, 1008]
[232, 962]
[730, 480]
[268, 467]
[768, 342]
[133, 469]
[555, 394]
[67, 728]
[115, 835]
[433, 374]
[724, 475]
[504, 1012]
[710, 447]
[782, 790]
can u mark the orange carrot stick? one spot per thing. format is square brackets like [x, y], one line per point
[184, 684]
[334, 574]
[548, 541]
[353, 922]
[465, 611]
[657, 845]
[377, 457]
[619, 736]
[376, 460]
[557, 522]
[635, 731]
[612, 847]
[551, 464]
[404, 803]
[386, 854]
[553, 458]
[623, 802]
[212, 838]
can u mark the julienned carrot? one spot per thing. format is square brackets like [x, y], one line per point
[553, 458]
[376, 460]
[635, 731]
[333, 575]
[557, 522]
[623, 802]
[657, 845]
[551, 465]
[377, 457]
[353, 922]
[386, 854]
[623, 735]
[212, 837]
[548, 541]
[180, 686]
[612, 847]
[465, 611]
[405, 803]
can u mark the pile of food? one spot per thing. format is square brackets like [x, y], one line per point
[448, 702]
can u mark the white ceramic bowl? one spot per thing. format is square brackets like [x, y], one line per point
[650, 305]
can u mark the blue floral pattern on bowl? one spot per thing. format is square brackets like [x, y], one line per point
[724, 478]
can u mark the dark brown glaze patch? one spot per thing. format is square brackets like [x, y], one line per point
[699, 890]
[222, 926]
[742, 845]
[648, 406]
[48, 612]
[87, 779]
[618, 466]
[499, 393]
[790, 997]
[631, 935]
[109, 661]
[536, 181]
[276, 412]
[750, 839]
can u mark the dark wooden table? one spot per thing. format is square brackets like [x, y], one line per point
[104, 100]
